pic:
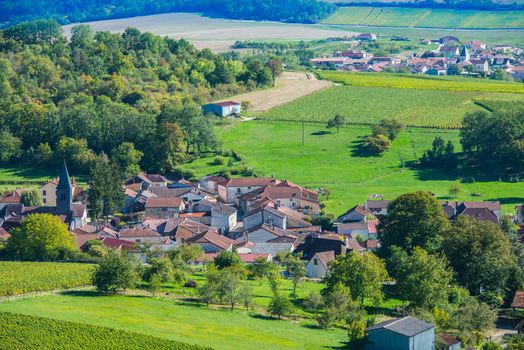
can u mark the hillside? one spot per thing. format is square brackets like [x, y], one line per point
[426, 18]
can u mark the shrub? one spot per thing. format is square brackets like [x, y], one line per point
[376, 144]
[191, 284]
[280, 306]
[219, 160]
[114, 272]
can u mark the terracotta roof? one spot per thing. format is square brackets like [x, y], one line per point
[4, 234]
[518, 300]
[189, 228]
[353, 245]
[371, 244]
[82, 238]
[193, 215]
[448, 339]
[156, 202]
[247, 257]
[325, 257]
[249, 181]
[213, 238]
[115, 243]
[153, 177]
[129, 192]
[12, 196]
[137, 232]
[134, 187]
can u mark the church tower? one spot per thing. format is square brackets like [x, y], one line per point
[64, 192]
[464, 54]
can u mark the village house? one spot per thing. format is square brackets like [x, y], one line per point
[141, 235]
[221, 216]
[274, 215]
[150, 179]
[406, 333]
[222, 109]
[163, 208]
[12, 197]
[315, 243]
[210, 183]
[354, 54]
[366, 37]
[48, 192]
[339, 62]
[356, 214]
[211, 241]
[231, 189]
[480, 66]
[377, 207]
[318, 265]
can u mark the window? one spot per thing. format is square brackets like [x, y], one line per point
[43, 200]
[238, 190]
[315, 261]
[44, 192]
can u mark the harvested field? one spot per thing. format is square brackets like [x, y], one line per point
[290, 86]
[197, 28]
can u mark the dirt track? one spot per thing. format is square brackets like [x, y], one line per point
[289, 87]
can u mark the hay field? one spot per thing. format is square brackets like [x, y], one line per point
[289, 87]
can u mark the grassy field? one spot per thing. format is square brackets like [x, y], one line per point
[367, 105]
[36, 333]
[422, 82]
[179, 321]
[25, 277]
[426, 18]
[331, 160]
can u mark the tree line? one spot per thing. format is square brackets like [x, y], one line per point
[125, 95]
[306, 11]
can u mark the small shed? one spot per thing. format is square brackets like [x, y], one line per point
[406, 333]
[222, 109]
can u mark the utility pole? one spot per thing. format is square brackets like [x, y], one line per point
[302, 130]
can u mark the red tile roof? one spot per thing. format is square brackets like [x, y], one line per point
[115, 243]
[137, 232]
[249, 181]
[325, 257]
[155, 202]
[212, 237]
[518, 300]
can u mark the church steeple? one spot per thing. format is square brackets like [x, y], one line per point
[64, 192]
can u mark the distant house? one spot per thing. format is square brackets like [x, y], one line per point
[221, 216]
[163, 208]
[449, 342]
[366, 37]
[48, 192]
[321, 243]
[377, 207]
[222, 109]
[406, 333]
[449, 40]
[12, 197]
[338, 62]
[449, 51]
[354, 54]
[140, 235]
[356, 214]
[480, 65]
[364, 230]
[150, 179]
[318, 265]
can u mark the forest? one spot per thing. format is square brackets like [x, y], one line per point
[303, 11]
[125, 95]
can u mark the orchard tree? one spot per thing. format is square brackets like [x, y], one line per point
[363, 274]
[296, 269]
[422, 279]
[115, 272]
[414, 220]
[337, 121]
[388, 127]
[41, 237]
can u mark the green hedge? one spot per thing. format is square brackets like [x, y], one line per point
[23, 332]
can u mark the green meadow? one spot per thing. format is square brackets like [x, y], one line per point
[176, 320]
[426, 18]
[332, 161]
